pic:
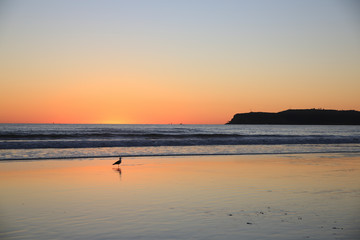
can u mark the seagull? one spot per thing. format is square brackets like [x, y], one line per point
[117, 162]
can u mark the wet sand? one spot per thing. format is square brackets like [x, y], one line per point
[308, 196]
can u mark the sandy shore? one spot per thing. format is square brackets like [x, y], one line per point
[309, 196]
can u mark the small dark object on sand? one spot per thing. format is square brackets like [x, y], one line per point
[117, 162]
[249, 223]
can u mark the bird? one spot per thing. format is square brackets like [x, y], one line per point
[117, 162]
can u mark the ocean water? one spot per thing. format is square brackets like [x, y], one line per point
[58, 141]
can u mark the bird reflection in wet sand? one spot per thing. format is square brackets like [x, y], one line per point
[118, 169]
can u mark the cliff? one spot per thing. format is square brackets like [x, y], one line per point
[299, 117]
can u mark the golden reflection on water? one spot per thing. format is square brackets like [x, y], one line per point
[280, 197]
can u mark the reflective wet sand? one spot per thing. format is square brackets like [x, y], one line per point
[309, 196]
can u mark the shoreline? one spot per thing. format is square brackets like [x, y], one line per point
[175, 155]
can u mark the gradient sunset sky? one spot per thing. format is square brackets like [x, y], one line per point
[178, 61]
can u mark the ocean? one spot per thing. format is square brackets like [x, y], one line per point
[66, 141]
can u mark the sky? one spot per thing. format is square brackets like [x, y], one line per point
[180, 61]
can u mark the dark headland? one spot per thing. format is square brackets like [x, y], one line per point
[299, 117]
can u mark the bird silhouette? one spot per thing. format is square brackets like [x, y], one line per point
[117, 162]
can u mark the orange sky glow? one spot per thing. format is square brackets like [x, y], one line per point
[175, 62]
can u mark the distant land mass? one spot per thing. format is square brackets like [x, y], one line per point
[299, 117]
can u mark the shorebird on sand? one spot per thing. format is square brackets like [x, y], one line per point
[117, 162]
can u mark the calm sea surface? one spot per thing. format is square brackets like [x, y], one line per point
[42, 141]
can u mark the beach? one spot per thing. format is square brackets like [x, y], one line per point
[234, 120]
[269, 196]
